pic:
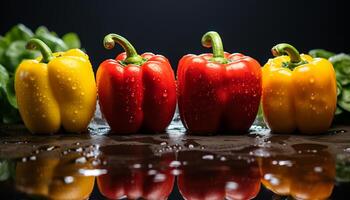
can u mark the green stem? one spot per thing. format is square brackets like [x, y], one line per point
[131, 55]
[43, 48]
[212, 39]
[292, 52]
[283, 49]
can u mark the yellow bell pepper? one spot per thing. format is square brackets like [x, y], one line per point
[45, 178]
[55, 89]
[307, 175]
[299, 92]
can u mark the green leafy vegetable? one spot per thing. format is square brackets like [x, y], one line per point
[3, 45]
[343, 168]
[4, 76]
[72, 40]
[344, 100]
[19, 32]
[55, 43]
[321, 53]
[339, 89]
[7, 169]
[13, 51]
[8, 104]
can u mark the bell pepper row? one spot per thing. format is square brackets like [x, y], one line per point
[216, 92]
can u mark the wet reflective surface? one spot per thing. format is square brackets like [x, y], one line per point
[174, 165]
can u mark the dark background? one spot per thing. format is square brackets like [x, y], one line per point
[174, 28]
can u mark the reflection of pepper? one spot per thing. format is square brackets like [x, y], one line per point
[217, 179]
[307, 174]
[136, 92]
[45, 177]
[219, 91]
[56, 89]
[298, 92]
[135, 172]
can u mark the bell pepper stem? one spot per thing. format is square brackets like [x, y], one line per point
[42, 47]
[131, 54]
[283, 49]
[213, 39]
[292, 52]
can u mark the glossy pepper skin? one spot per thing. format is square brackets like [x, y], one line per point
[136, 92]
[57, 89]
[219, 91]
[299, 92]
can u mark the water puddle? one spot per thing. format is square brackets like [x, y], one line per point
[174, 165]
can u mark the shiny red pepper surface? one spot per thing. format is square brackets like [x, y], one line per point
[136, 93]
[218, 92]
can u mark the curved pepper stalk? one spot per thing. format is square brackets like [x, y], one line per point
[43, 48]
[131, 54]
[292, 52]
[213, 39]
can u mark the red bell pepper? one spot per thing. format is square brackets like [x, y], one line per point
[230, 179]
[219, 91]
[134, 172]
[135, 92]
